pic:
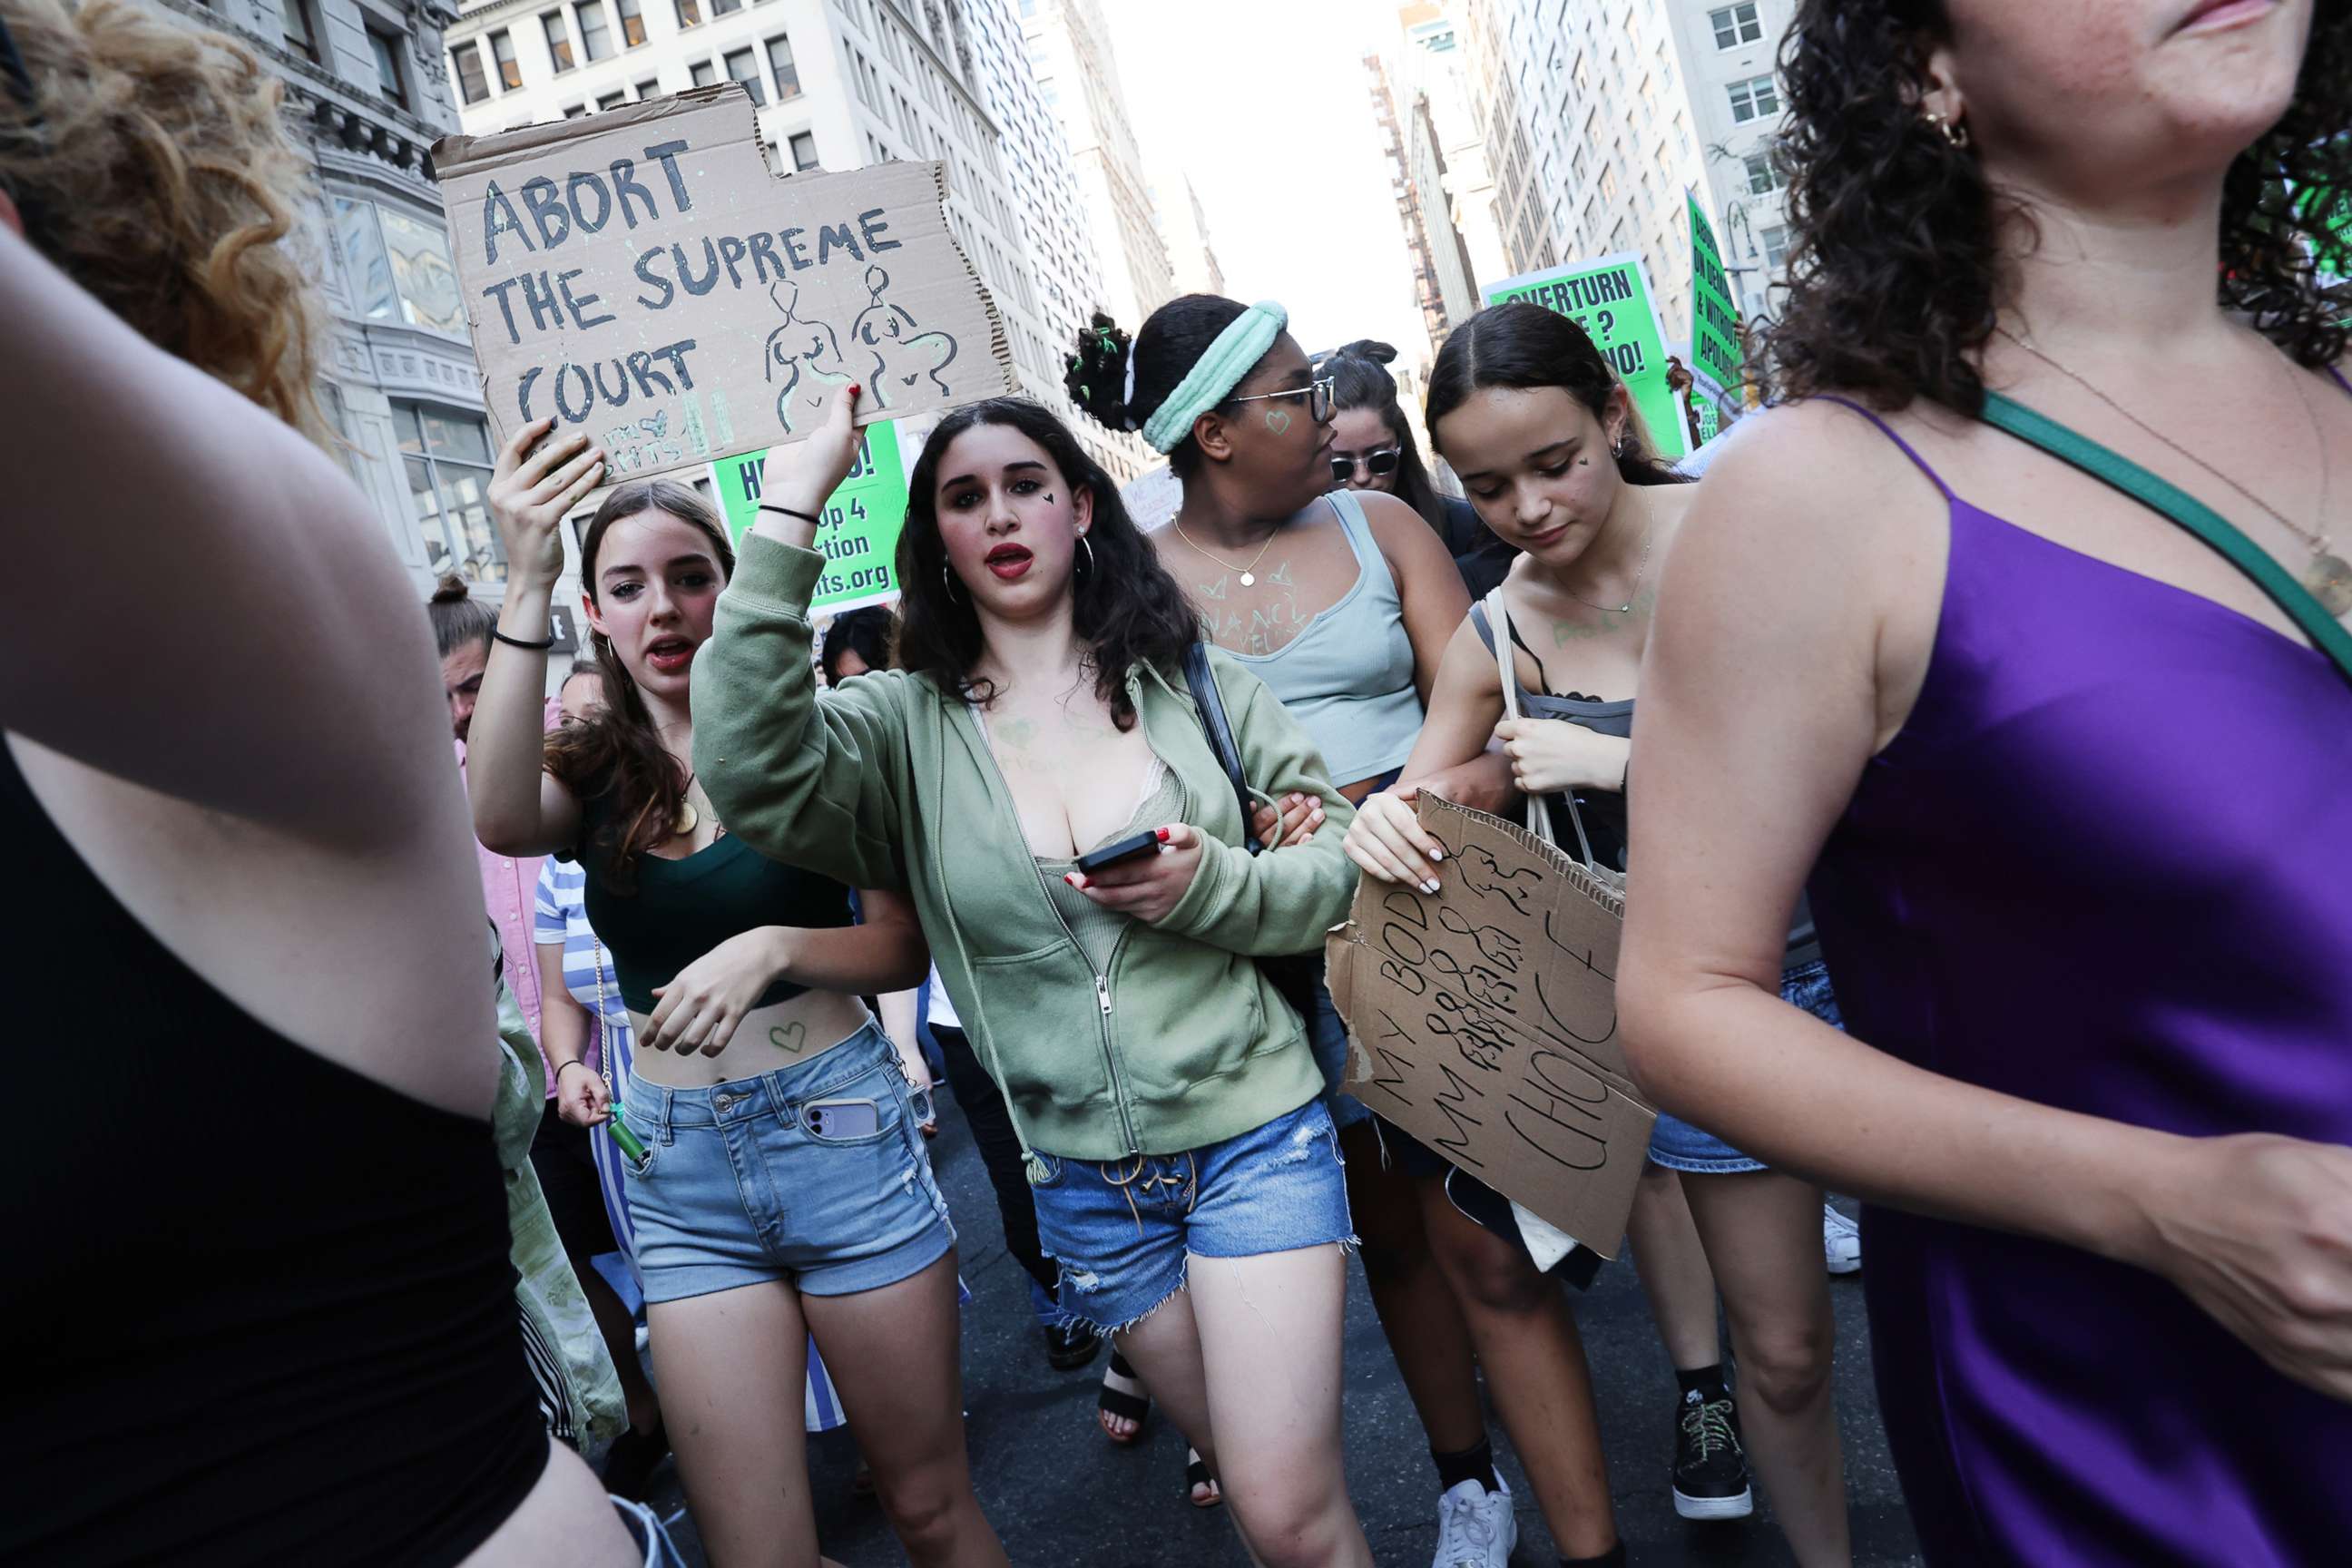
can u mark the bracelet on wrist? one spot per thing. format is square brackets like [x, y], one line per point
[525, 644]
[574, 1062]
[792, 512]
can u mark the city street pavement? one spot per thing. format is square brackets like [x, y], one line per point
[1063, 1497]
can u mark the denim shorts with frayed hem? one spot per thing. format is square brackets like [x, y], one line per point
[1679, 1146]
[735, 1189]
[1328, 1036]
[1121, 1229]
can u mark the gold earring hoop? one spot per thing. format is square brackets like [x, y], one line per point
[1955, 133]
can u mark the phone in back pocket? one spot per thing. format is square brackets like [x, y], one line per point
[842, 1120]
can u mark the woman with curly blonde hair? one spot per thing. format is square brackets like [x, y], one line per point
[257, 1229]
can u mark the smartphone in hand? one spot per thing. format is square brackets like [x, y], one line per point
[1141, 843]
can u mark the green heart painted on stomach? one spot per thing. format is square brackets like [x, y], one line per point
[793, 1038]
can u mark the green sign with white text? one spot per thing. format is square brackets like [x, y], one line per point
[1715, 327]
[1610, 299]
[859, 536]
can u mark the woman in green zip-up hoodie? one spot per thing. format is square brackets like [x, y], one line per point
[1187, 1174]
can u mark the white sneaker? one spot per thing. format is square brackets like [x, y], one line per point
[1475, 1528]
[1841, 1242]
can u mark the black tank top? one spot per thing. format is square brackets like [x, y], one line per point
[258, 1308]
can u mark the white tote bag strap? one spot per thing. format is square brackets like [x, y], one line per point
[1499, 622]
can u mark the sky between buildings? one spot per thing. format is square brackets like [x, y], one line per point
[1267, 105]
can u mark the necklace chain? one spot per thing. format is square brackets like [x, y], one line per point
[1649, 533]
[1248, 572]
[2316, 542]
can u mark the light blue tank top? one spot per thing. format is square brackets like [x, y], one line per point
[1348, 677]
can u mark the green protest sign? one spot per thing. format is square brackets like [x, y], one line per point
[860, 533]
[1714, 326]
[1610, 299]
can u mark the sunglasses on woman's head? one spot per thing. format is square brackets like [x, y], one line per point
[1380, 460]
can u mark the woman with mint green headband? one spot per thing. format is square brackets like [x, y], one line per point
[1342, 604]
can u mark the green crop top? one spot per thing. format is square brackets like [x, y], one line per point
[683, 909]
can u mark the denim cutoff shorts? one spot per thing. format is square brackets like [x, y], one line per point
[736, 1190]
[1121, 1229]
[1679, 1146]
[1328, 1036]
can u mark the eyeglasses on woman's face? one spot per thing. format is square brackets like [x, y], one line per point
[1317, 393]
[1379, 461]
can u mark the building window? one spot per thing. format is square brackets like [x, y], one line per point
[388, 73]
[595, 38]
[633, 23]
[473, 85]
[447, 455]
[1755, 99]
[780, 62]
[400, 266]
[1608, 181]
[744, 67]
[575, 110]
[1762, 178]
[502, 51]
[558, 41]
[301, 33]
[804, 146]
[725, 7]
[705, 74]
[646, 90]
[1735, 25]
[1774, 237]
[689, 14]
[614, 100]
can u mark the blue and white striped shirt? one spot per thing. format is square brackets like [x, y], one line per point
[561, 914]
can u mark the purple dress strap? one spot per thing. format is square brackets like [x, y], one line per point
[2338, 374]
[1888, 431]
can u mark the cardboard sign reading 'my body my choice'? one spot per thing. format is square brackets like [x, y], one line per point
[1482, 1020]
[642, 275]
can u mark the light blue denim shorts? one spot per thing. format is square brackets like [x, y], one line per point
[736, 1190]
[1328, 1036]
[1121, 1229]
[1679, 1146]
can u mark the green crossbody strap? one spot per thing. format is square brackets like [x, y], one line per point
[2114, 468]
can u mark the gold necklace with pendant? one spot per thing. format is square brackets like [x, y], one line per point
[2328, 576]
[1249, 573]
[687, 819]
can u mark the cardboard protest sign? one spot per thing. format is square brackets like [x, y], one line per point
[1715, 327]
[859, 535]
[641, 274]
[1482, 1020]
[1611, 300]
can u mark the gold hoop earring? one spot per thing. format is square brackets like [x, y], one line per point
[1955, 133]
[1088, 546]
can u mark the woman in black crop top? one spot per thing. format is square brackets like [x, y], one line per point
[257, 1241]
[784, 1191]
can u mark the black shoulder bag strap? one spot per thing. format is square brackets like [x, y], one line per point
[2114, 468]
[1212, 704]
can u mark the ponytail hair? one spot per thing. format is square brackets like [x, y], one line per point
[459, 619]
[1523, 346]
[1120, 382]
[614, 755]
[1360, 379]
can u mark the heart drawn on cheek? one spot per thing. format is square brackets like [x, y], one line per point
[1277, 420]
[793, 1038]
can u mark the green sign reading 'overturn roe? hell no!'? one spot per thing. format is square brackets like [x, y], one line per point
[859, 535]
[1611, 300]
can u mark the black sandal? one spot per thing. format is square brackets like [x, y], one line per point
[1118, 1401]
[1196, 1476]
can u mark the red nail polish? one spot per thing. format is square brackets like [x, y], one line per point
[1163, 835]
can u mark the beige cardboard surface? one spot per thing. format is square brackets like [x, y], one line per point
[1482, 1020]
[642, 275]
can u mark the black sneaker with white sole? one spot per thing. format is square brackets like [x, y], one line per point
[1710, 1467]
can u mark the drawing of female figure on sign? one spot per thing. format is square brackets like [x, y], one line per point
[903, 353]
[805, 357]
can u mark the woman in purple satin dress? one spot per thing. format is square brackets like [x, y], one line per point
[2080, 794]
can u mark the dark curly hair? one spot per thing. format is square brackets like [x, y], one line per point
[1517, 344]
[1360, 379]
[614, 757]
[1165, 349]
[1895, 275]
[865, 632]
[1127, 609]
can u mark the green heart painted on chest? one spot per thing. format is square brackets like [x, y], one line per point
[793, 1038]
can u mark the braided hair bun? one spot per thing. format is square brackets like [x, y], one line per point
[1100, 373]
